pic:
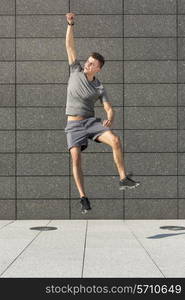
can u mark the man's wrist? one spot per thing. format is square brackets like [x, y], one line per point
[70, 24]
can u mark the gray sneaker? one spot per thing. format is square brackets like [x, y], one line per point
[128, 183]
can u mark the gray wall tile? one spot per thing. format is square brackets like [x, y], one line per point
[7, 72]
[7, 187]
[181, 48]
[7, 49]
[150, 94]
[41, 26]
[150, 209]
[181, 140]
[111, 49]
[149, 48]
[40, 118]
[98, 164]
[181, 71]
[150, 117]
[41, 49]
[149, 26]
[181, 6]
[101, 209]
[41, 141]
[7, 118]
[42, 164]
[7, 26]
[151, 163]
[95, 187]
[7, 139]
[7, 95]
[181, 25]
[181, 208]
[112, 72]
[42, 72]
[181, 120]
[150, 7]
[7, 7]
[7, 209]
[42, 187]
[150, 72]
[42, 209]
[181, 186]
[150, 140]
[96, 6]
[181, 94]
[154, 187]
[42, 7]
[181, 163]
[42, 95]
[104, 26]
[7, 164]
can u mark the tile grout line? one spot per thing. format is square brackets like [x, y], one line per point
[22, 251]
[177, 49]
[148, 254]
[69, 161]
[15, 118]
[84, 252]
[7, 224]
[123, 132]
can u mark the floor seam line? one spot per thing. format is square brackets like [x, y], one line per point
[7, 224]
[84, 251]
[145, 250]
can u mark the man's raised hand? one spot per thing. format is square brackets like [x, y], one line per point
[70, 17]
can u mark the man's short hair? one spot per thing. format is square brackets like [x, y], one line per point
[99, 57]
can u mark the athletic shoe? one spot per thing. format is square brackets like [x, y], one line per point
[128, 183]
[85, 205]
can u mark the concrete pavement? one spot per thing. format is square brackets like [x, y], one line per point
[92, 248]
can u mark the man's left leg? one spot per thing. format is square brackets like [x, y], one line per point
[114, 141]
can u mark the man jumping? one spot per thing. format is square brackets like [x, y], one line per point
[84, 89]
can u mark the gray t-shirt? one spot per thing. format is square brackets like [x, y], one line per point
[82, 93]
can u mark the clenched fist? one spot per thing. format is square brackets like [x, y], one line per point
[70, 17]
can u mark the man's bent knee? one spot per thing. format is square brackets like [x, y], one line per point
[116, 142]
[75, 154]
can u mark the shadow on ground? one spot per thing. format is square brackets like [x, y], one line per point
[174, 228]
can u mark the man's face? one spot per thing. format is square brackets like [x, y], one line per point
[91, 66]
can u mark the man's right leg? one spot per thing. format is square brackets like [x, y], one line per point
[78, 176]
[77, 169]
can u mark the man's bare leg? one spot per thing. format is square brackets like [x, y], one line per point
[118, 159]
[114, 141]
[77, 170]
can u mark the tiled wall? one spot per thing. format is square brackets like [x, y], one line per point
[144, 75]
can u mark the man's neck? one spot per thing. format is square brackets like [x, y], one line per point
[90, 77]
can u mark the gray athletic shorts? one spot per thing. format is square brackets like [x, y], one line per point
[79, 131]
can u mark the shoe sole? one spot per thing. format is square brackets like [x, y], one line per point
[128, 187]
[84, 211]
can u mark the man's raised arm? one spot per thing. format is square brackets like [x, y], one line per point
[70, 46]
